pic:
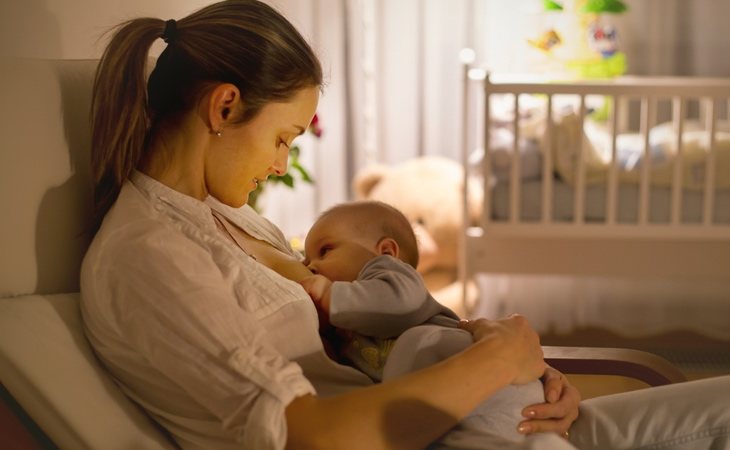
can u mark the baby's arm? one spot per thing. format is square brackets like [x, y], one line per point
[387, 298]
[318, 288]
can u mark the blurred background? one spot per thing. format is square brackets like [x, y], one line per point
[393, 71]
[393, 91]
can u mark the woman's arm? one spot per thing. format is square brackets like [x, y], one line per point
[414, 410]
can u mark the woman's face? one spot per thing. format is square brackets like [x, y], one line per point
[246, 155]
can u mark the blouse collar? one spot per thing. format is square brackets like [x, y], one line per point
[199, 212]
[190, 207]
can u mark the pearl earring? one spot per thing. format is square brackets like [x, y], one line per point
[219, 133]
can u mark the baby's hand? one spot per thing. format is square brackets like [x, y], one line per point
[318, 288]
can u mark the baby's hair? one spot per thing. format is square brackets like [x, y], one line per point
[380, 220]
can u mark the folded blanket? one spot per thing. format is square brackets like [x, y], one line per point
[596, 141]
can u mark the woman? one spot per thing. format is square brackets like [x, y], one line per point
[189, 297]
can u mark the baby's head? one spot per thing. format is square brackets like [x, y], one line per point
[347, 236]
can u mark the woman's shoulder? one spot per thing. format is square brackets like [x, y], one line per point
[132, 215]
[141, 227]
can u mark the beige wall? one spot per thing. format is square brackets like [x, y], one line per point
[71, 29]
[74, 29]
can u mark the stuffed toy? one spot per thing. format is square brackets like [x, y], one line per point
[428, 190]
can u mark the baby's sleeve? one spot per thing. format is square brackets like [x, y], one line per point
[388, 297]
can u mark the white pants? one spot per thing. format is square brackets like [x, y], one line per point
[693, 415]
[684, 416]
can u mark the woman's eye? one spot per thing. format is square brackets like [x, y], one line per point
[283, 142]
[324, 250]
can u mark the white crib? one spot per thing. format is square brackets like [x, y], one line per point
[582, 212]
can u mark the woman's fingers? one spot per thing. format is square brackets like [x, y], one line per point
[567, 406]
[517, 343]
[545, 426]
[478, 327]
[557, 414]
[553, 382]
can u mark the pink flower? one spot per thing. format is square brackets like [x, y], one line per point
[314, 127]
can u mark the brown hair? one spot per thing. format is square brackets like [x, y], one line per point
[243, 42]
[380, 220]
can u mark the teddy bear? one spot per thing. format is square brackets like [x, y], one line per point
[428, 190]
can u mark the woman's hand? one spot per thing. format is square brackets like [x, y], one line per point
[517, 345]
[558, 412]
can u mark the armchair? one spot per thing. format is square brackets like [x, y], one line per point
[55, 393]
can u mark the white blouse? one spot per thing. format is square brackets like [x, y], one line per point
[211, 343]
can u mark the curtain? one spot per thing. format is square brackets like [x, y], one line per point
[392, 67]
[416, 75]
[395, 79]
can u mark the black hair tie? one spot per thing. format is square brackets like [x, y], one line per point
[170, 33]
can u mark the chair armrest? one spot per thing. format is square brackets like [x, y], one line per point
[644, 366]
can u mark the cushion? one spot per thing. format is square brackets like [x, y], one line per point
[48, 366]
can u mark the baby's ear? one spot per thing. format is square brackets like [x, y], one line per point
[388, 246]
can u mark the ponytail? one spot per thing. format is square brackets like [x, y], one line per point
[120, 117]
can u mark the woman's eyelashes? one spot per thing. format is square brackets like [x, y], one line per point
[283, 142]
[324, 250]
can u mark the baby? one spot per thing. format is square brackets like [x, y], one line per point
[363, 256]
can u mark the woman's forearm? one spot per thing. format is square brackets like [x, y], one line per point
[405, 413]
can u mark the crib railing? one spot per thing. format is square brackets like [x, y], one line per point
[644, 247]
[710, 93]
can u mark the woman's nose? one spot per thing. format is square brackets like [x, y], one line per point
[281, 162]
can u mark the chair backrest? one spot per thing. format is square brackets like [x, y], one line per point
[46, 363]
[45, 188]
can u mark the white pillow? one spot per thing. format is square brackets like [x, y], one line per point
[47, 365]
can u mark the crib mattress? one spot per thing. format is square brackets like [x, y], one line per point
[595, 203]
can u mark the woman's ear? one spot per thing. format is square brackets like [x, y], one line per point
[224, 99]
[387, 246]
